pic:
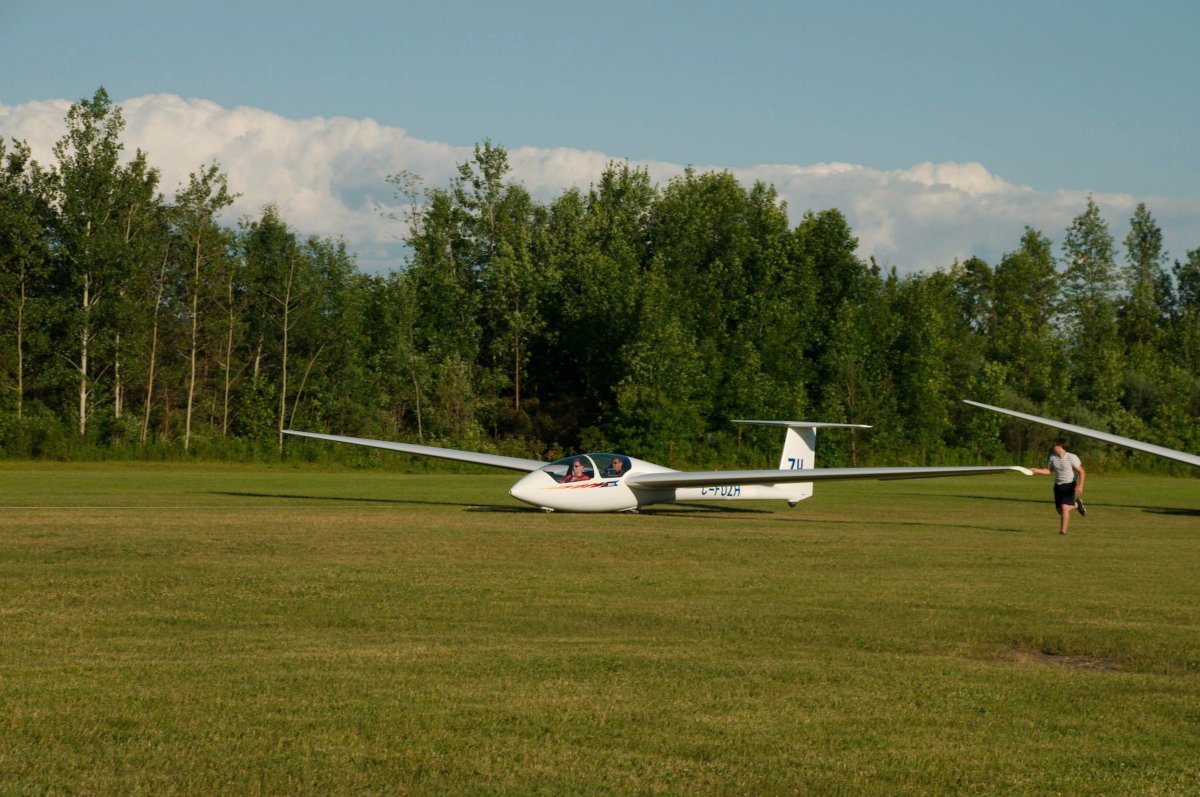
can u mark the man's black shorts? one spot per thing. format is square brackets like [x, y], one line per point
[1064, 494]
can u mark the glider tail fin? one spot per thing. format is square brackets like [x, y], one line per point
[800, 451]
[799, 448]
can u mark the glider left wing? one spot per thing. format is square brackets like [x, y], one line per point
[493, 460]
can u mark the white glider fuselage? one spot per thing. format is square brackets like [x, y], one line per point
[593, 493]
[611, 492]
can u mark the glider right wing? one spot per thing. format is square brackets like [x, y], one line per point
[720, 478]
[1083, 431]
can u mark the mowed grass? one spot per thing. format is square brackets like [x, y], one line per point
[172, 629]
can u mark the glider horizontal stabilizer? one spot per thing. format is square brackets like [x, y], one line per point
[809, 424]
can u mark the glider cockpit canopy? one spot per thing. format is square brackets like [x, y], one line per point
[590, 466]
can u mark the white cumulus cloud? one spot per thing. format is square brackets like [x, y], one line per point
[328, 178]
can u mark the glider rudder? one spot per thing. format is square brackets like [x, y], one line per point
[800, 451]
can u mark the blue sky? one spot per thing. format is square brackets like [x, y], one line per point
[1054, 97]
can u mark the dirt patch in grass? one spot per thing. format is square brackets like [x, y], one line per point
[1026, 655]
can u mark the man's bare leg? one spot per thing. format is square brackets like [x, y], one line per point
[1065, 513]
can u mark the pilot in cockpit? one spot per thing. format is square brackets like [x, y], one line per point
[577, 473]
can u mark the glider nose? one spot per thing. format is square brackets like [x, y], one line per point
[527, 488]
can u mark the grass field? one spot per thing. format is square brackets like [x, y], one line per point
[176, 629]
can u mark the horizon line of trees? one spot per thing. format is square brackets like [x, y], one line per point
[625, 317]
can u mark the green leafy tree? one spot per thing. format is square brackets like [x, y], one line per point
[231, 301]
[661, 403]
[513, 287]
[930, 338]
[1187, 280]
[332, 338]
[442, 274]
[839, 276]
[447, 329]
[280, 275]
[851, 326]
[781, 321]
[597, 243]
[849, 390]
[498, 219]
[769, 383]
[1148, 290]
[1144, 313]
[24, 253]
[975, 292]
[718, 246]
[89, 234]
[155, 298]
[1089, 287]
[400, 360]
[203, 245]
[1026, 305]
[139, 211]
[1184, 337]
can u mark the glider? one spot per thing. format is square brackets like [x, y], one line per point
[1083, 431]
[599, 482]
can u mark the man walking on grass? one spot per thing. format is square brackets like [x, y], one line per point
[1068, 488]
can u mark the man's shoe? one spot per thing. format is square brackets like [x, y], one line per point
[1080, 507]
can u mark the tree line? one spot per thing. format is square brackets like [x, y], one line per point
[626, 316]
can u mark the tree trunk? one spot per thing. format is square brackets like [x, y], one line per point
[417, 393]
[304, 381]
[228, 363]
[517, 372]
[162, 281]
[84, 340]
[287, 303]
[118, 393]
[191, 396]
[21, 348]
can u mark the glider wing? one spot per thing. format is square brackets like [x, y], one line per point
[717, 478]
[1083, 431]
[493, 460]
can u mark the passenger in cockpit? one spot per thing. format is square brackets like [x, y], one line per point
[616, 469]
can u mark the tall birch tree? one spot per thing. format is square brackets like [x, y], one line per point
[24, 251]
[88, 233]
[203, 244]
